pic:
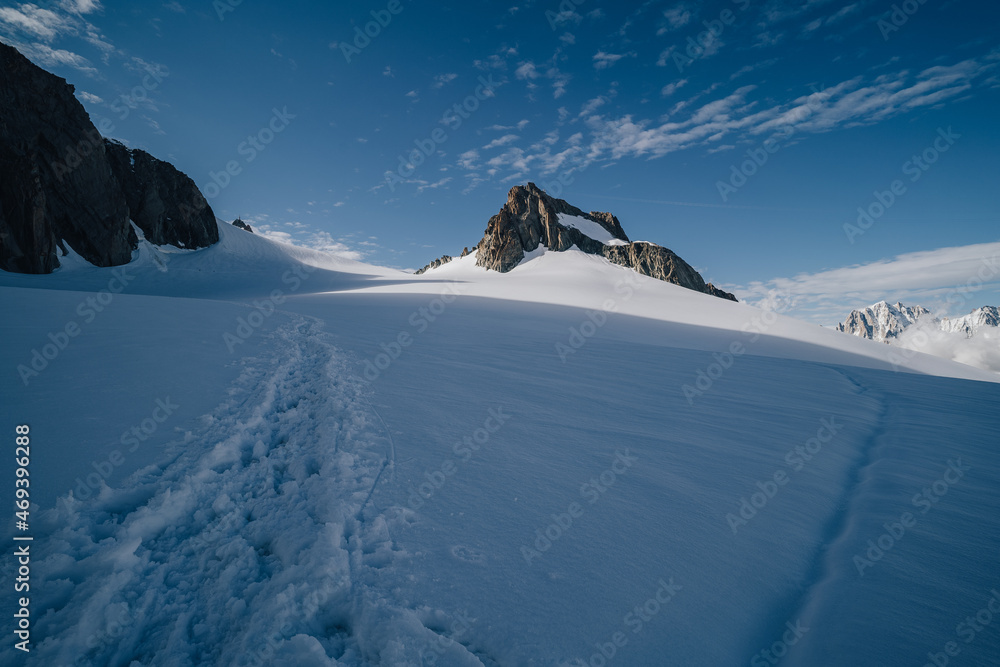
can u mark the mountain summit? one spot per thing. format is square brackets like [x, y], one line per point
[884, 322]
[531, 218]
[881, 321]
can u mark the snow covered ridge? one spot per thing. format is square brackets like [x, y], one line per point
[973, 339]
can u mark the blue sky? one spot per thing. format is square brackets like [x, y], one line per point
[742, 134]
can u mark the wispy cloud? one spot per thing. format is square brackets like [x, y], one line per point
[936, 279]
[304, 236]
[745, 115]
[501, 141]
[441, 79]
[603, 60]
[33, 30]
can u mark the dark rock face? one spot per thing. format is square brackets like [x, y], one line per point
[530, 218]
[62, 184]
[238, 222]
[55, 182]
[164, 203]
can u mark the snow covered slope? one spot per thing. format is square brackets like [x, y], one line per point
[566, 464]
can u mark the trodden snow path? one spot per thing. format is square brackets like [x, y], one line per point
[256, 543]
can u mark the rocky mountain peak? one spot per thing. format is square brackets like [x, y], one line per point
[884, 322]
[531, 218]
[881, 321]
[238, 222]
[62, 185]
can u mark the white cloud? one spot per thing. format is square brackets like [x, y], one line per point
[526, 70]
[981, 350]
[424, 185]
[948, 281]
[603, 60]
[89, 98]
[672, 88]
[468, 160]
[81, 6]
[677, 17]
[441, 79]
[661, 61]
[35, 21]
[305, 237]
[501, 141]
[46, 56]
[592, 105]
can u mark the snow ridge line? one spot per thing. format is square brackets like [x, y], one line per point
[254, 542]
[838, 526]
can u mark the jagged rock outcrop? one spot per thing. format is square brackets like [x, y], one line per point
[971, 324]
[62, 185]
[55, 182]
[530, 218]
[441, 261]
[658, 262]
[163, 202]
[238, 222]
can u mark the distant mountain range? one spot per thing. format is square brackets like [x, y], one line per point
[884, 322]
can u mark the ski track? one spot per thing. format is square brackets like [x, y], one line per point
[254, 543]
[838, 527]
